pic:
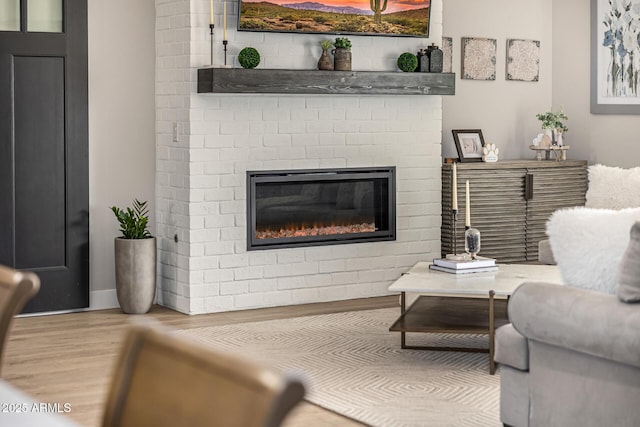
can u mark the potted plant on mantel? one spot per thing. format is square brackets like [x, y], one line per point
[135, 259]
[325, 62]
[342, 54]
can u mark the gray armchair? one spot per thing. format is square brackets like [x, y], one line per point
[545, 254]
[570, 357]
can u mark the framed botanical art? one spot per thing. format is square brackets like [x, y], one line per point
[615, 57]
[469, 143]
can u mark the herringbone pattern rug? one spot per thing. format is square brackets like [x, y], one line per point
[355, 366]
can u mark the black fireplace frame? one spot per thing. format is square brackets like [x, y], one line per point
[337, 174]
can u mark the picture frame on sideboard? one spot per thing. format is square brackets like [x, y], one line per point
[469, 144]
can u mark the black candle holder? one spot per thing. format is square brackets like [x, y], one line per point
[224, 44]
[211, 27]
[454, 215]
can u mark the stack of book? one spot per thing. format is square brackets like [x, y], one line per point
[477, 265]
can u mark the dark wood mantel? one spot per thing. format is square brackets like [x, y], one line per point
[240, 80]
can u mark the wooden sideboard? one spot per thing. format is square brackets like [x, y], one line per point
[510, 202]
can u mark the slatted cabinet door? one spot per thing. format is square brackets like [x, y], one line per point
[498, 210]
[510, 204]
[553, 189]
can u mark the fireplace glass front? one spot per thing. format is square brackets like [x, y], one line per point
[319, 207]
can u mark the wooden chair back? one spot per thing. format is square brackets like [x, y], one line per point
[163, 379]
[16, 288]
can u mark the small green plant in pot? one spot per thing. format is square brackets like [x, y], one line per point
[249, 57]
[325, 62]
[342, 54]
[135, 259]
[134, 222]
[553, 124]
[326, 45]
[407, 62]
[551, 120]
[342, 43]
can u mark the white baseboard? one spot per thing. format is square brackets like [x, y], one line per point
[102, 300]
[98, 300]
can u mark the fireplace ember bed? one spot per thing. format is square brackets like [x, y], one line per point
[320, 207]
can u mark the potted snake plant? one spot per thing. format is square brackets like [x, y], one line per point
[135, 259]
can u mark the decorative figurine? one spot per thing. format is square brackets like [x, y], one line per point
[490, 153]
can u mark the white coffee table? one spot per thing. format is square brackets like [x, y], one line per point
[473, 303]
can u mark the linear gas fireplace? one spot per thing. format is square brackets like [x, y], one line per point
[320, 207]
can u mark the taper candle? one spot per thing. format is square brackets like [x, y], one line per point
[224, 22]
[211, 12]
[467, 211]
[454, 191]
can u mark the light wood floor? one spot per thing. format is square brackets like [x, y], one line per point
[68, 358]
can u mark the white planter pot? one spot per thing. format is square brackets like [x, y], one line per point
[135, 261]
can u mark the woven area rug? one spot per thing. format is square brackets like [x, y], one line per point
[354, 366]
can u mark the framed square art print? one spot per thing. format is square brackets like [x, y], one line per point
[523, 60]
[478, 58]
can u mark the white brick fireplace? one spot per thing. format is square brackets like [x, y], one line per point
[201, 188]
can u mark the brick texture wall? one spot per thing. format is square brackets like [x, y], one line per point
[201, 174]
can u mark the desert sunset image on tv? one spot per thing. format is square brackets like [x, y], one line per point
[371, 17]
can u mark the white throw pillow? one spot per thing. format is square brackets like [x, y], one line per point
[589, 243]
[613, 187]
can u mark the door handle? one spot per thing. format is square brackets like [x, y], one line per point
[528, 186]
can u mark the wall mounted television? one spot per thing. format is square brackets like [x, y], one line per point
[409, 18]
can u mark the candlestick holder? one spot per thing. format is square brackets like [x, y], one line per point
[455, 223]
[211, 27]
[454, 256]
[224, 44]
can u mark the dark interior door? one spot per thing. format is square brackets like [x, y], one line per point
[44, 214]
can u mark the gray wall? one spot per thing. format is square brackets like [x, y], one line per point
[121, 125]
[504, 110]
[607, 139]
